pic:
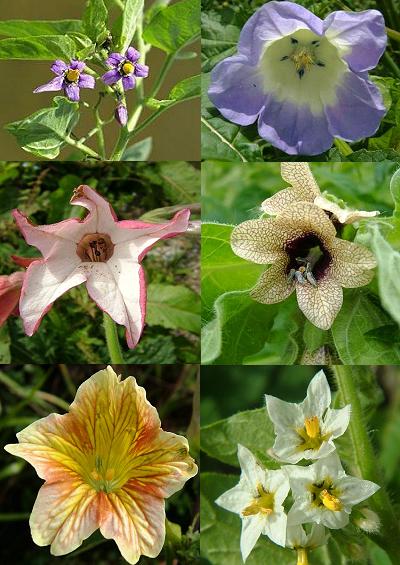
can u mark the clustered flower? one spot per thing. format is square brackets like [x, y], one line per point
[304, 80]
[322, 494]
[71, 78]
[300, 243]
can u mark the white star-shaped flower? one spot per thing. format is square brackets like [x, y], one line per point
[258, 499]
[324, 494]
[307, 430]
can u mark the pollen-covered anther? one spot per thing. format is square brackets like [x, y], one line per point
[72, 75]
[303, 59]
[312, 427]
[128, 68]
[95, 248]
[329, 501]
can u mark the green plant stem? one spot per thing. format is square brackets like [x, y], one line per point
[14, 517]
[113, 346]
[81, 147]
[39, 396]
[366, 461]
[391, 64]
[67, 379]
[163, 73]
[393, 34]
[343, 147]
[100, 134]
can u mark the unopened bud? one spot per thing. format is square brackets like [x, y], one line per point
[368, 520]
[121, 114]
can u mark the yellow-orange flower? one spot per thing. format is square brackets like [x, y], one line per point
[107, 464]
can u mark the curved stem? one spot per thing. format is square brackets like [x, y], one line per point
[81, 147]
[366, 460]
[100, 134]
[113, 346]
[163, 73]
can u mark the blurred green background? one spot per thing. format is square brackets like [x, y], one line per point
[176, 134]
[170, 389]
[233, 193]
[42, 191]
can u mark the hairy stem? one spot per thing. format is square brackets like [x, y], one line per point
[113, 346]
[366, 460]
[81, 147]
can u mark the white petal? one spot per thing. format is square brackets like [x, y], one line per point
[118, 287]
[318, 396]
[296, 537]
[278, 483]
[275, 528]
[252, 526]
[252, 472]
[285, 447]
[334, 520]
[317, 537]
[329, 467]
[355, 490]
[300, 478]
[101, 217]
[326, 448]
[283, 414]
[235, 499]
[336, 421]
[302, 512]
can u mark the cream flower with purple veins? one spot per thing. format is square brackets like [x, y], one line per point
[304, 188]
[307, 430]
[107, 465]
[257, 499]
[306, 257]
[324, 494]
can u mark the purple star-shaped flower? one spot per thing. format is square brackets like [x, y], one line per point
[305, 80]
[70, 78]
[125, 67]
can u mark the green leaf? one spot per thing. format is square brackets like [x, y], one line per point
[132, 12]
[180, 180]
[313, 337]
[223, 140]
[175, 26]
[388, 272]
[140, 151]
[40, 48]
[95, 20]
[222, 271]
[5, 343]
[251, 428]
[219, 40]
[43, 133]
[173, 307]
[26, 28]
[395, 192]
[359, 315]
[363, 155]
[240, 328]
[220, 530]
[186, 89]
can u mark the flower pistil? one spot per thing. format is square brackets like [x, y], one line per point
[303, 56]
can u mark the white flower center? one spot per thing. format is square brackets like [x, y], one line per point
[303, 69]
[95, 248]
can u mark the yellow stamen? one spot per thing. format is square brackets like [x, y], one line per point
[127, 68]
[110, 473]
[72, 75]
[303, 59]
[329, 501]
[312, 427]
[302, 558]
[263, 503]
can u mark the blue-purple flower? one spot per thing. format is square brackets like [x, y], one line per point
[70, 78]
[303, 78]
[125, 68]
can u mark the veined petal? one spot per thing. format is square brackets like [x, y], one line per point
[65, 513]
[139, 237]
[336, 421]
[101, 217]
[360, 37]
[334, 520]
[118, 287]
[310, 218]
[111, 77]
[273, 285]
[320, 304]
[135, 520]
[44, 282]
[252, 527]
[318, 397]
[54, 84]
[356, 490]
[260, 241]
[344, 215]
[279, 201]
[132, 54]
[114, 59]
[351, 263]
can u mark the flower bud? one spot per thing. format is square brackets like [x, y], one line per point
[368, 520]
[121, 114]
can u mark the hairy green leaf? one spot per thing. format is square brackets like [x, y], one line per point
[26, 28]
[173, 306]
[39, 48]
[140, 151]
[95, 20]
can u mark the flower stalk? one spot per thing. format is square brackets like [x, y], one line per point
[366, 463]
[113, 345]
[302, 556]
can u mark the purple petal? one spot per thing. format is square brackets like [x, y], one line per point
[78, 65]
[111, 77]
[273, 21]
[128, 82]
[121, 114]
[358, 110]
[294, 129]
[72, 92]
[141, 70]
[236, 90]
[132, 54]
[55, 84]
[360, 37]
[86, 81]
[58, 67]
[114, 59]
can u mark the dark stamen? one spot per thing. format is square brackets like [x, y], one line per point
[320, 64]
[300, 73]
[316, 43]
[284, 58]
[293, 40]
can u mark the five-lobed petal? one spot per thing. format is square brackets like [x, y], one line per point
[258, 499]
[108, 465]
[111, 268]
[307, 430]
